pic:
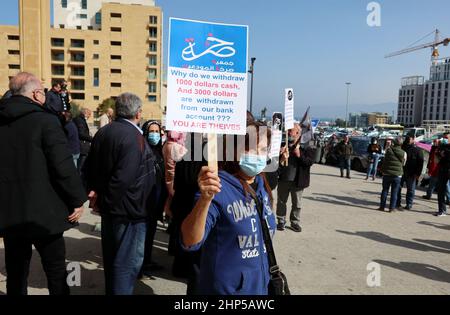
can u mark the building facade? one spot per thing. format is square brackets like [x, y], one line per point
[435, 98]
[124, 54]
[410, 101]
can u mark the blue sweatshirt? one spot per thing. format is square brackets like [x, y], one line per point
[234, 260]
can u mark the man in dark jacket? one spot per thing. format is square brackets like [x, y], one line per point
[344, 151]
[72, 138]
[41, 192]
[294, 178]
[392, 170]
[443, 177]
[412, 172]
[120, 175]
[84, 134]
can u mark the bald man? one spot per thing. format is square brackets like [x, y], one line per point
[41, 192]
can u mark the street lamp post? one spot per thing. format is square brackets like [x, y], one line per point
[346, 108]
[251, 71]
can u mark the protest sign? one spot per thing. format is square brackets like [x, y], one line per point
[289, 109]
[207, 77]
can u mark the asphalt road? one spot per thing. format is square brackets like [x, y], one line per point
[343, 232]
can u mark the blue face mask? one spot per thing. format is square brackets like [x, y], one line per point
[445, 141]
[154, 138]
[252, 164]
[291, 139]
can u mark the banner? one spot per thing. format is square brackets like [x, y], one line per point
[289, 109]
[207, 77]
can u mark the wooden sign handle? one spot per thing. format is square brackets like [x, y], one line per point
[212, 153]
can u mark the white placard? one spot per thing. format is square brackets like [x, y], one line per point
[289, 109]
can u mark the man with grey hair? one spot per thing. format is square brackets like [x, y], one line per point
[41, 191]
[120, 176]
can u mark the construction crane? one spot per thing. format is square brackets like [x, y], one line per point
[433, 45]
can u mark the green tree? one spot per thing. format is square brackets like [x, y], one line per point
[340, 123]
[107, 103]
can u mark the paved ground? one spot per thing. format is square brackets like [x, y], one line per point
[343, 233]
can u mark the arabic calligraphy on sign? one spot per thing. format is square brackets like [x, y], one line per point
[221, 49]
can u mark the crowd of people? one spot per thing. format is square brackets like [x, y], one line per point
[222, 220]
[134, 175]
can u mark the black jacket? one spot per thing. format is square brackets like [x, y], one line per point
[39, 184]
[84, 134]
[120, 168]
[301, 166]
[414, 160]
[305, 162]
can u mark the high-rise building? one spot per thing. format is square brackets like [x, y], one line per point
[118, 50]
[435, 100]
[410, 101]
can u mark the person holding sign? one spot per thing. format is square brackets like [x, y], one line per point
[227, 220]
[295, 165]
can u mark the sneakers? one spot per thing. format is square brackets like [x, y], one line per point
[407, 208]
[392, 210]
[426, 197]
[296, 227]
[280, 226]
[441, 214]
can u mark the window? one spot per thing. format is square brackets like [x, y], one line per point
[116, 15]
[90, 28]
[115, 43]
[152, 60]
[116, 84]
[96, 42]
[78, 71]
[95, 56]
[96, 98]
[98, 18]
[96, 77]
[62, 26]
[14, 67]
[58, 42]
[58, 56]
[116, 29]
[13, 37]
[152, 87]
[446, 85]
[57, 69]
[116, 71]
[14, 52]
[412, 92]
[153, 46]
[78, 57]
[82, 16]
[153, 19]
[152, 74]
[153, 32]
[152, 98]
[77, 96]
[77, 43]
[64, 3]
[77, 85]
[84, 4]
[78, 27]
[116, 57]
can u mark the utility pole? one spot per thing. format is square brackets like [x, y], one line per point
[251, 71]
[346, 109]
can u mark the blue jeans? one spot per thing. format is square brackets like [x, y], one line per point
[344, 163]
[410, 181]
[123, 245]
[75, 159]
[442, 189]
[432, 186]
[392, 182]
[373, 167]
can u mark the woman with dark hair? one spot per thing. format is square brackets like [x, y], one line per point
[155, 205]
[374, 152]
[228, 217]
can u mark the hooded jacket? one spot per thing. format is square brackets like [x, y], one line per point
[234, 261]
[40, 186]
